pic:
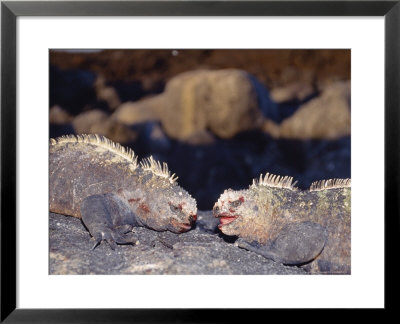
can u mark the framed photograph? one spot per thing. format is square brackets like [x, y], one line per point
[166, 128]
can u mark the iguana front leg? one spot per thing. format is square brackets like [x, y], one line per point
[108, 218]
[296, 244]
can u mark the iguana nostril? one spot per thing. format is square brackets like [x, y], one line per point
[192, 218]
[216, 210]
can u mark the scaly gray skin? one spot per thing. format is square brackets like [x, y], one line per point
[275, 219]
[101, 182]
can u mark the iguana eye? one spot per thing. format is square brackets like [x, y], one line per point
[174, 208]
[235, 203]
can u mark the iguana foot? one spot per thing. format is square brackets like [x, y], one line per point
[296, 244]
[104, 236]
[112, 237]
[108, 219]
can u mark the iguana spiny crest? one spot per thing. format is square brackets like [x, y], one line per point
[272, 212]
[102, 182]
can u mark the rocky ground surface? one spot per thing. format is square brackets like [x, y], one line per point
[201, 251]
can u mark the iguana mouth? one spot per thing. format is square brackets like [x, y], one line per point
[181, 227]
[185, 227]
[225, 219]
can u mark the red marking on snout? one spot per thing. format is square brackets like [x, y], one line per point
[231, 210]
[224, 214]
[241, 199]
[145, 208]
[194, 217]
[132, 200]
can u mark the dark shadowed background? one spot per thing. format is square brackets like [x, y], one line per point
[219, 118]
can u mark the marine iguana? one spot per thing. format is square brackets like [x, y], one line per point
[277, 220]
[101, 182]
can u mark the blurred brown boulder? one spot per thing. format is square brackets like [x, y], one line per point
[327, 116]
[98, 122]
[60, 122]
[106, 93]
[138, 112]
[296, 91]
[225, 102]
[59, 116]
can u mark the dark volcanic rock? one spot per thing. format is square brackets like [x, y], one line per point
[71, 89]
[57, 130]
[195, 252]
[207, 170]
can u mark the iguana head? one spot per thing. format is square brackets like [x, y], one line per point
[247, 213]
[234, 210]
[179, 209]
[166, 206]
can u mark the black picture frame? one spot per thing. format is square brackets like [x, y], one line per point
[9, 13]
